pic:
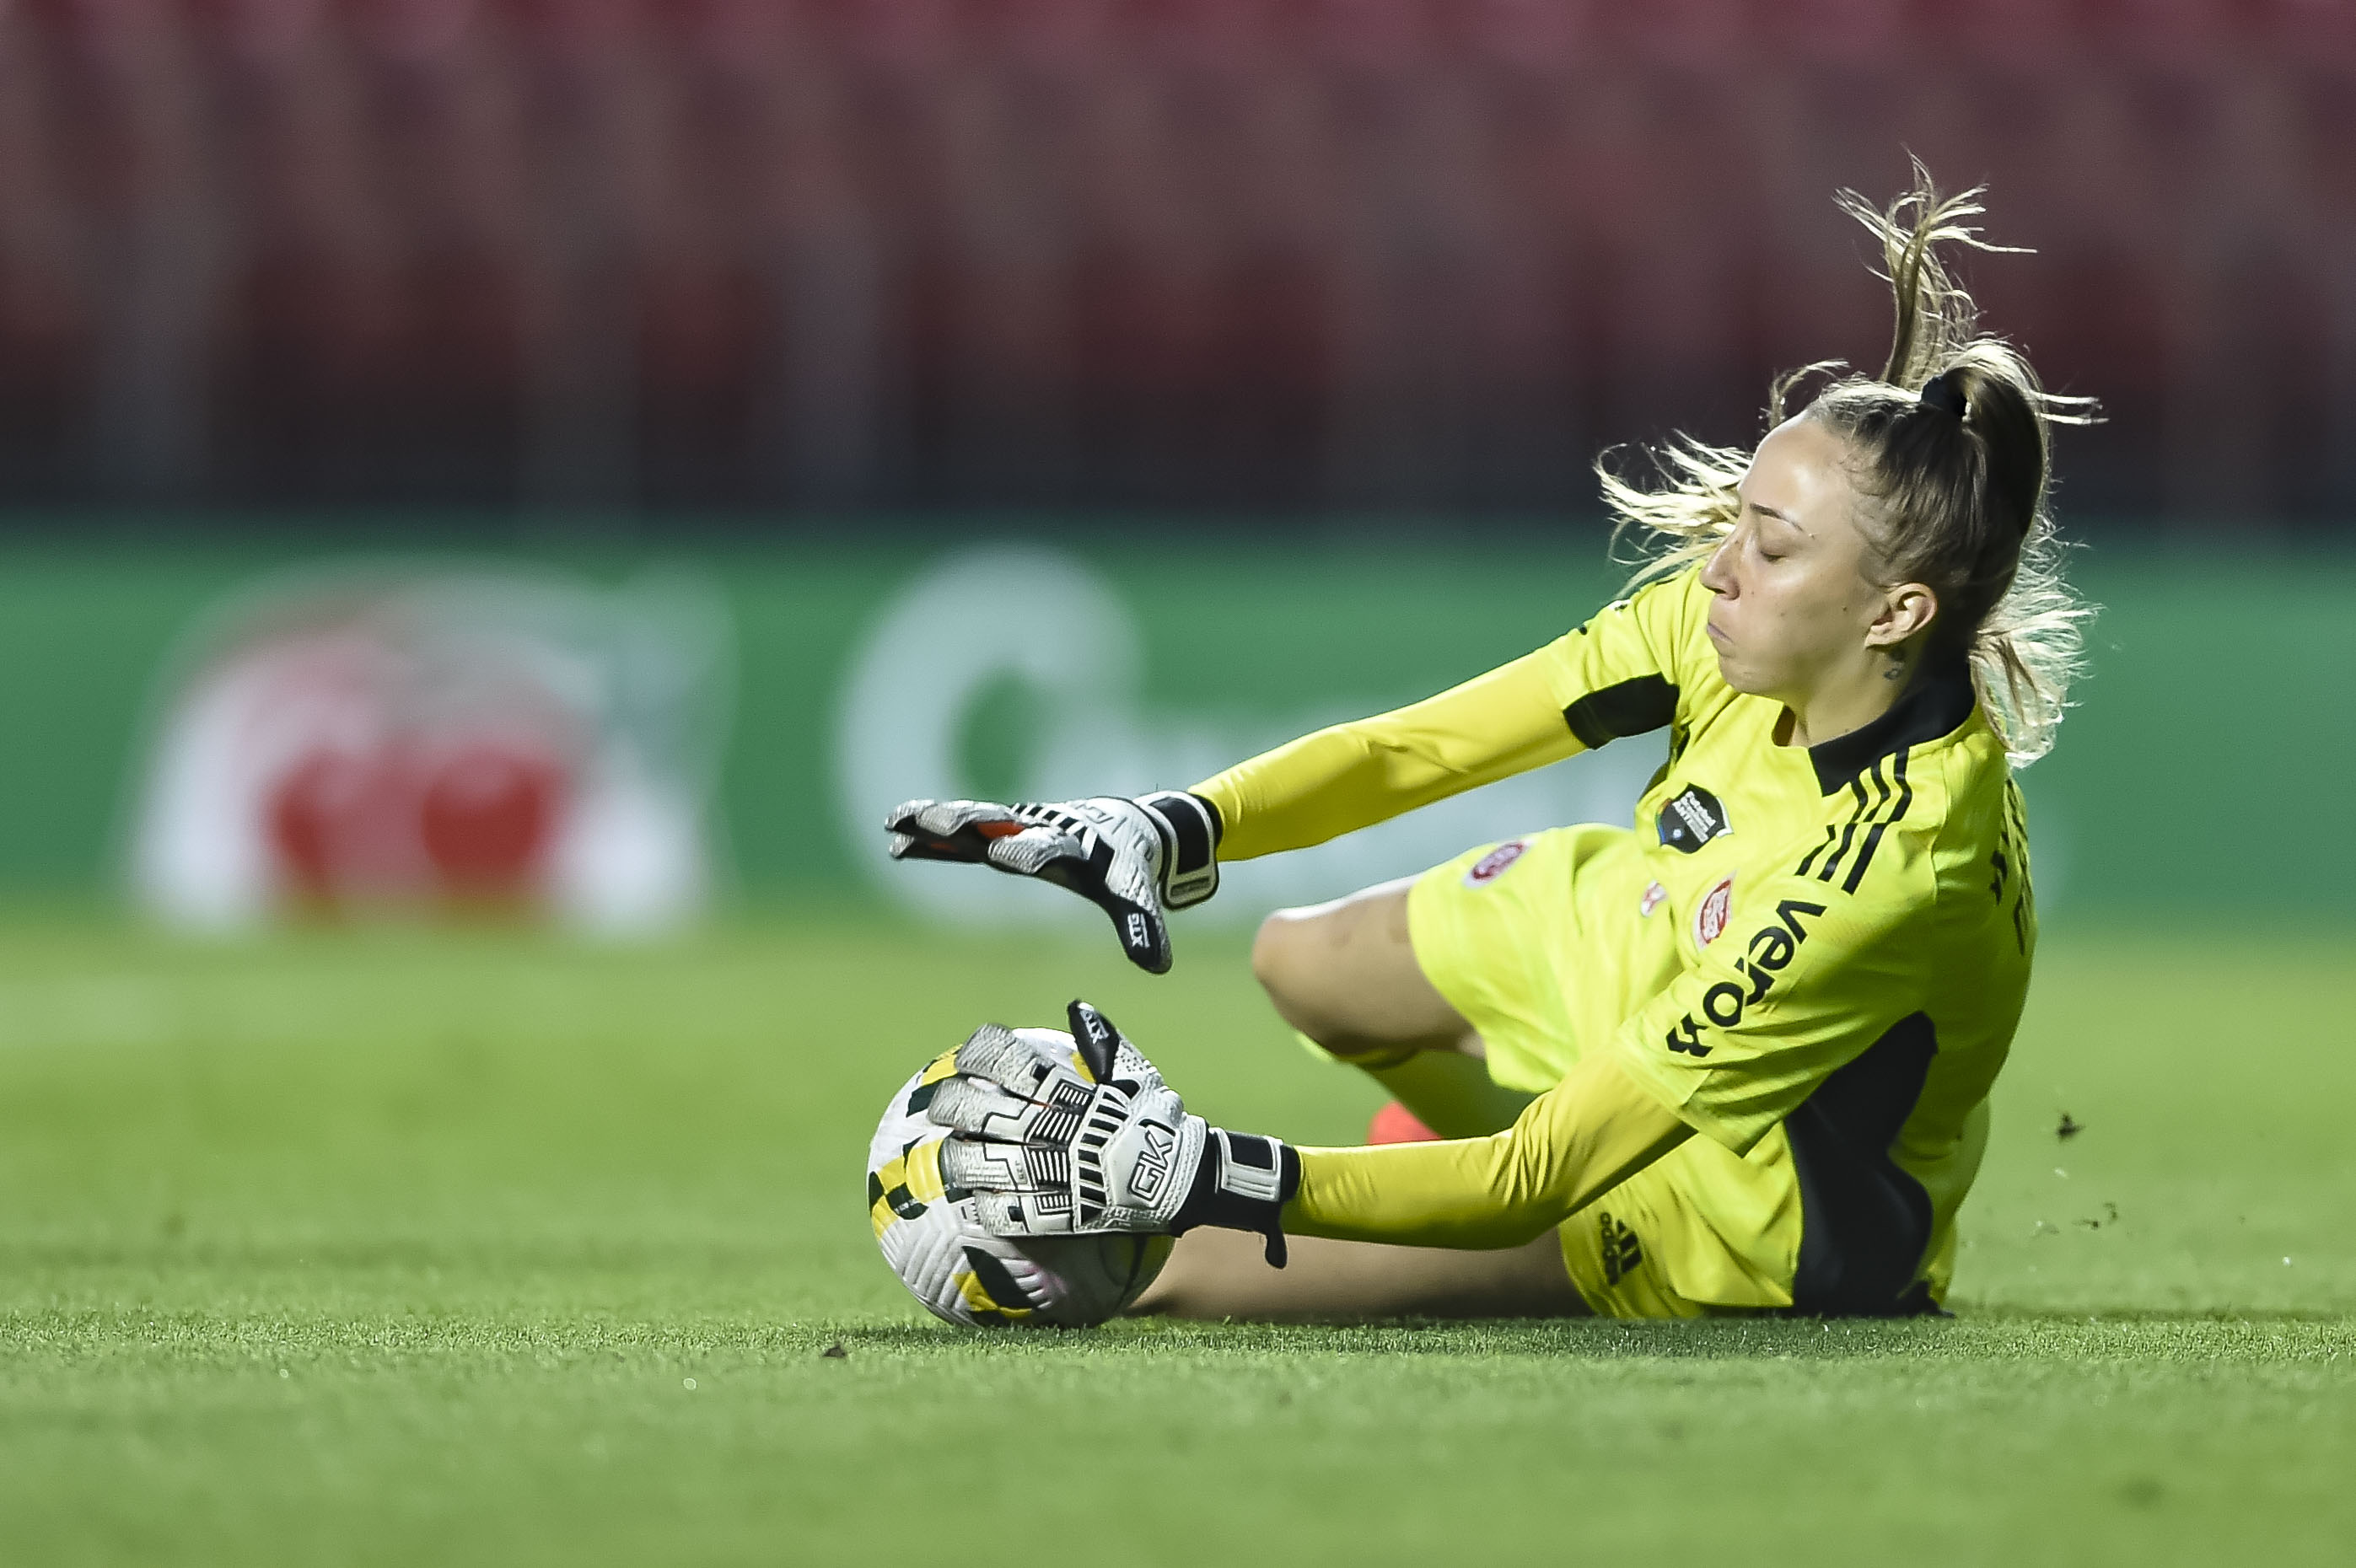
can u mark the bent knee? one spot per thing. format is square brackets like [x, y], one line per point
[1344, 974]
[1300, 958]
[1279, 962]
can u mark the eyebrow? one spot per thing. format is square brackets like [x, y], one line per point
[1779, 516]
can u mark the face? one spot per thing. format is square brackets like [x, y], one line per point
[1795, 611]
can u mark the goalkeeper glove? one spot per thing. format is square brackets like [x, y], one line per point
[1134, 858]
[1054, 1146]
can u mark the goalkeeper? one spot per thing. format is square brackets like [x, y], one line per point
[1736, 1060]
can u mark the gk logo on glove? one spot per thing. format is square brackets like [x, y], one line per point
[1153, 1166]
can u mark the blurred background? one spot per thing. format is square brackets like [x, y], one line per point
[593, 455]
[497, 499]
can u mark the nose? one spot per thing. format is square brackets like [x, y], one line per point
[1716, 576]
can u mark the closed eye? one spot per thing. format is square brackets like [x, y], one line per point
[1759, 535]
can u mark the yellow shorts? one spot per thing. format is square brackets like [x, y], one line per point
[1545, 946]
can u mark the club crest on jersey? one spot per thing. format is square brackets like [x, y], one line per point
[1711, 916]
[1654, 896]
[1493, 865]
[1692, 820]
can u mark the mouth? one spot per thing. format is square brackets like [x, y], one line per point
[1716, 636]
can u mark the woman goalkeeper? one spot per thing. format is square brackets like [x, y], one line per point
[1812, 950]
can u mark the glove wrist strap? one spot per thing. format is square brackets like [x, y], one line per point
[1189, 828]
[1243, 1184]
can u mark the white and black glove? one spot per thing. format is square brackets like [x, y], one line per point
[1133, 858]
[1053, 1147]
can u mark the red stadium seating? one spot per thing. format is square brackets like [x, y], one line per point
[1280, 255]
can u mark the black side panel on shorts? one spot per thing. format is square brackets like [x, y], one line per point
[1635, 707]
[1864, 1222]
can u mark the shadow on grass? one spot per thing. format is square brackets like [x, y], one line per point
[171, 1248]
[2107, 1335]
[568, 1342]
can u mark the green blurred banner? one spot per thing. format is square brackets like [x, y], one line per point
[2198, 774]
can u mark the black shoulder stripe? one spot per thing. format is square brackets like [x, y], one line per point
[1873, 820]
[1634, 707]
[1873, 839]
[1848, 829]
[1832, 831]
[1847, 836]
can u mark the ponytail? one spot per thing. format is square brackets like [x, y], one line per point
[1954, 439]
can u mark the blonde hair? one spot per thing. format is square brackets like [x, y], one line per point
[1953, 446]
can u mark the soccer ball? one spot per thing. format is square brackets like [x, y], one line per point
[935, 1241]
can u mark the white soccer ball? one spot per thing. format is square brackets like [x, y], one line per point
[934, 1240]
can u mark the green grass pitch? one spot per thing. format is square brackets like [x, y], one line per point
[391, 1247]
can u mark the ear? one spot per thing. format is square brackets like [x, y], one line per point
[1906, 609]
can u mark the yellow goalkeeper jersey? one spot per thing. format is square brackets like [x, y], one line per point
[1853, 920]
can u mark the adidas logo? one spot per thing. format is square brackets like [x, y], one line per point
[1621, 1251]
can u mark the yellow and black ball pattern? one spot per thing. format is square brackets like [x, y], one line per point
[932, 1234]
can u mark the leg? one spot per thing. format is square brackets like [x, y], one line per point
[1345, 974]
[1222, 1275]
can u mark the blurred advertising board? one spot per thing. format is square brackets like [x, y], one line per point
[778, 700]
[404, 740]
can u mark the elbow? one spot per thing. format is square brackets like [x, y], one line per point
[1529, 1199]
[1524, 1219]
[1520, 1230]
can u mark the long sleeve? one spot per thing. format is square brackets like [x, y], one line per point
[1615, 675]
[1573, 1144]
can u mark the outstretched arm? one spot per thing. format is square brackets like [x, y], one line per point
[1618, 675]
[1575, 1143]
[1354, 776]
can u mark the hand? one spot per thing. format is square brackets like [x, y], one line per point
[1133, 858]
[1094, 1141]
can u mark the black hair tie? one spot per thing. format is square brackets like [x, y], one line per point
[1942, 392]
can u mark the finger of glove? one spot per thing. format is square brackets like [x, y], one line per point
[979, 1165]
[903, 847]
[1019, 1214]
[1095, 868]
[1154, 1101]
[1031, 850]
[1099, 1038]
[1144, 936]
[981, 1108]
[1126, 896]
[987, 1166]
[1109, 1054]
[1022, 1068]
[948, 830]
[1131, 1069]
[939, 817]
